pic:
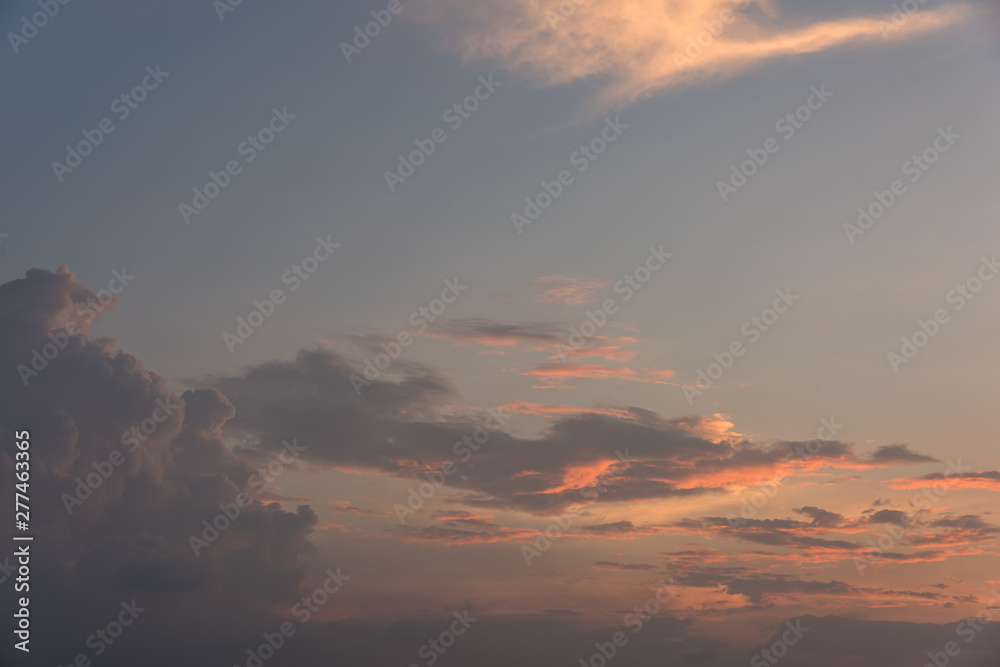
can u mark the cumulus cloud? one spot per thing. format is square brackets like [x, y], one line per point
[128, 537]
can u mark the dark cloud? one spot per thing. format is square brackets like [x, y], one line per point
[401, 427]
[609, 565]
[898, 454]
[890, 516]
[821, 517]
[491, 332]
[128, 538]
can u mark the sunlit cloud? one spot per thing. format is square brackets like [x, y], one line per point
[475, 331]
[553, 374]
[989, 480]
[543, 410]
[640, 47]
[714, 428]
[567, 291]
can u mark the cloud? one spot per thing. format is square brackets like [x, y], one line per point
[757, 586]
[129, 537]
[640, 47]
[895, 517]
[714, 428]
[460, 527]
[347, 507]
[988, 480]
[890, 455]
[554, 374]
[803, 538]
[957, 531]
[543, 410]
[821, 517]
[403, 427]
[497, 337]
[535, 336]
[626, 567]
[567, 291]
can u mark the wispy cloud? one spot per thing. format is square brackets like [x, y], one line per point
[567, 291]
[988, 480]
[553, 374]
[639, 47]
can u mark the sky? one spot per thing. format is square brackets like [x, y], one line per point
[466, 333]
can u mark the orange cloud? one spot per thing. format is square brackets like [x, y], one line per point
[989, 480]
[537, 336]
[639, 47]
[542, 410]
[578, 477]
[714, 428]
[555, 372]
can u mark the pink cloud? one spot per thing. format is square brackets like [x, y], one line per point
[568, 291]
